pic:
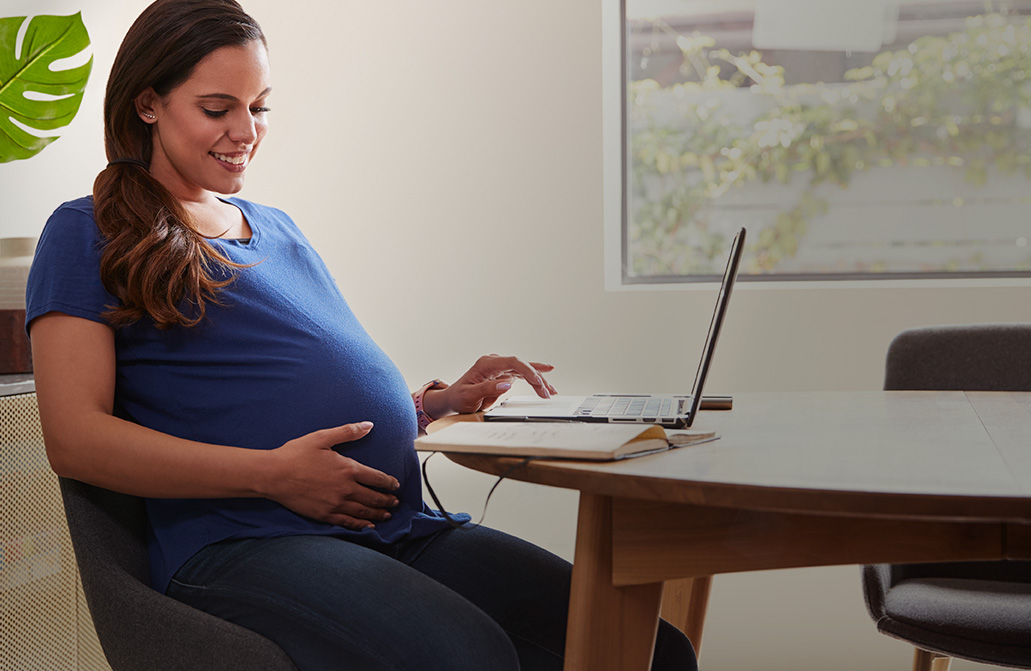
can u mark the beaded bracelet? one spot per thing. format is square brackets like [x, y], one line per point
[420, 413]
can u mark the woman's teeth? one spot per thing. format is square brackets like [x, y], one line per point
[235, 160]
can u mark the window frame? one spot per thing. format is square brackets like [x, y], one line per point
[615, 213]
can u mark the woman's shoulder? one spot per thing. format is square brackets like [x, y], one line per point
[75, 209]
[73, 220]
[70, 235]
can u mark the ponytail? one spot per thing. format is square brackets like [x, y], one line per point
[154, 263]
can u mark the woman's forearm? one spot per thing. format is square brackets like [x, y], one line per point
[109, 452]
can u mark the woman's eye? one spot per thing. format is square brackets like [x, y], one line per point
[214, 114]
[260, 110]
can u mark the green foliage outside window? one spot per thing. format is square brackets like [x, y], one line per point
[961, 100]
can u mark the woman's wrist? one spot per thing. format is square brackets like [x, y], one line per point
[431, 402]
[267, 473]
[437, 403]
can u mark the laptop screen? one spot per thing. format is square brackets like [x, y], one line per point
[729, 277]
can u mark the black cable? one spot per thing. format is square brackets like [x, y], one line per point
[452, 521]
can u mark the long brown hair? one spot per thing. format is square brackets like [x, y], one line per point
[155, 262]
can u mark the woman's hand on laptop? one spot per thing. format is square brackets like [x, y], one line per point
[482, 385]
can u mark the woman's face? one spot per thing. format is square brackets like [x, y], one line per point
[208, 128]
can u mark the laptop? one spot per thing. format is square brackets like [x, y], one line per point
[671, 411]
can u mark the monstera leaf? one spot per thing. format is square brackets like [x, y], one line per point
[30, 92]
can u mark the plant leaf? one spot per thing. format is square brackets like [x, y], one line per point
[56, 94]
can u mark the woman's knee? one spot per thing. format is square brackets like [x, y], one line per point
[473, 645]
[673, 650]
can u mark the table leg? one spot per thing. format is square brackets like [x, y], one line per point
[609, 627]
[684, 603]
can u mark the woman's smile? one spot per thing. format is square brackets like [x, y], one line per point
[235, 162]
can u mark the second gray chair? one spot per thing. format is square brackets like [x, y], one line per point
[979, 611]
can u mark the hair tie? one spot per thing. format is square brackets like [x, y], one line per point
[130, 161]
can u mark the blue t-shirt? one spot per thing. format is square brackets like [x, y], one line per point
[281, 357]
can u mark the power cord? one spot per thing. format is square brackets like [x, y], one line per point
[452, 521]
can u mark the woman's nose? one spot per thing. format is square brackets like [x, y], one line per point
[244, 129]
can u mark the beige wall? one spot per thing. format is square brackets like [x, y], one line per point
[446, 160]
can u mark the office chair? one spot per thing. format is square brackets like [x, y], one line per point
[138, 627]
[980, 610]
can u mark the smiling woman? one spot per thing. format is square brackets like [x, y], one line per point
[192, 348]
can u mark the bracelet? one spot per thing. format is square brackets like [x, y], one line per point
[420, 413]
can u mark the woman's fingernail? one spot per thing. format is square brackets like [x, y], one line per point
[504, 386]
[365, 426]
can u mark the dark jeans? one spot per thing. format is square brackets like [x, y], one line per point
[469, 598]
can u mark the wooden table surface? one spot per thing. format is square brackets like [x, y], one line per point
[796, 479]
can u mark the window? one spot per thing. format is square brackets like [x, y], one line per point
[855, 139]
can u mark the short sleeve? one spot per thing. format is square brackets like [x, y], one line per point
[65, 272]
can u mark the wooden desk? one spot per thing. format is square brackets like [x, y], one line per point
[797, 479]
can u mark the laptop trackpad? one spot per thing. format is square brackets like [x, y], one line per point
[534, 406]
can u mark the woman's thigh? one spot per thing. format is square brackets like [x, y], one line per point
[525, 589]
[522, 587]
[332, 604]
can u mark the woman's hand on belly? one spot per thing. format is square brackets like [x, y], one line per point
[309, 477]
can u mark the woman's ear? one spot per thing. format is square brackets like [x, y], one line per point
[146, 106]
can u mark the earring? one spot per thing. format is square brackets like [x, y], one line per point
[148, 115]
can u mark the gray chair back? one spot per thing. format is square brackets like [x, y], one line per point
[932, 605]
[980, 357]
[139, 628]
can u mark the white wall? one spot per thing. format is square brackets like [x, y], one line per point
[445, 158]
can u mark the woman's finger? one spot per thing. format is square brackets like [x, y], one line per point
[531, 372]
[357, 511]
[370, 477]
[345, 433]
[348, 522]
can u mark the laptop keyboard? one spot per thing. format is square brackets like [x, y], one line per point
[623, 406]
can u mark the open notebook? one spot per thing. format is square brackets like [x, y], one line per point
[557, 440]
